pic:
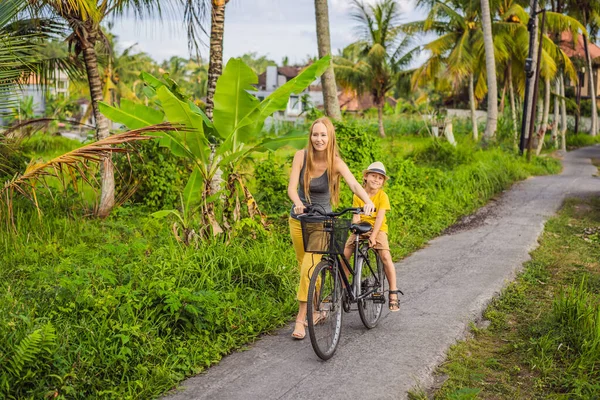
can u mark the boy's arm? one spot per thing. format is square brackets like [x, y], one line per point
[377, 226]
[356, 203]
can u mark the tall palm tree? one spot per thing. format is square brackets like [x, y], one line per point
[330, 97]
[588, 12]
[83, 18]
[454, 52]
[373, 64]
[490, 65]
[215, 64]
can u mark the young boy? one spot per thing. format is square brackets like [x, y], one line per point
[374, 178]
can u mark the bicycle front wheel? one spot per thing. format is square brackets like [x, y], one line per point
[372, 280]
[325, 309]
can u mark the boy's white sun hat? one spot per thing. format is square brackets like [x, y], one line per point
[378, 168]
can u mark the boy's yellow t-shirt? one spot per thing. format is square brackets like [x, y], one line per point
[381, 202]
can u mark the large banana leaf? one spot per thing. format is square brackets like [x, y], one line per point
[192, 193]
[132, 115]
[135, 116]
[232, 100]
[278, 100]
[245, 115]
[178, 111]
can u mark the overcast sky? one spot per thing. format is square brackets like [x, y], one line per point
[275, 28]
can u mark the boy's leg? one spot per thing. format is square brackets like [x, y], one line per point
[388, 265]
[383, 248]
[348, 250]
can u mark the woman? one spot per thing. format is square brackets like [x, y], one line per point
[318, 167]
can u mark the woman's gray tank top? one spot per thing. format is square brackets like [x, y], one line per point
[319, 191]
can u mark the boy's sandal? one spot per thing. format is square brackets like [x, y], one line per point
[299, 334]
[394, 304]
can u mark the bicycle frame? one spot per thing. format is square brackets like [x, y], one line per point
[353, 291]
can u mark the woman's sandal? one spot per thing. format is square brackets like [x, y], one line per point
[394, 304]
[297, 334]
[318, 317]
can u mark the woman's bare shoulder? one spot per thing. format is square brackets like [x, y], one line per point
[339, 164]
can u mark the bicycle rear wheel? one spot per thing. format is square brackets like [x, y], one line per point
[372, 278]
[325, 309]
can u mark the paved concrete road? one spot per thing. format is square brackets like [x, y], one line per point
[447, 284]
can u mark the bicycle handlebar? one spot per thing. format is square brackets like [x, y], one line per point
[313, 210]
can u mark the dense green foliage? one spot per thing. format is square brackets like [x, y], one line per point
[581, 140]
[119, 309]
[124, 300]
[357, 147]
[159, 174]
[271, 182]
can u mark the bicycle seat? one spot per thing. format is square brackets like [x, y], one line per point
[361, 228]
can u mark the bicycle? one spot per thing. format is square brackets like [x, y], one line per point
[330, 290]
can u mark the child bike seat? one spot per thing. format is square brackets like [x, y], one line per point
[361, 228]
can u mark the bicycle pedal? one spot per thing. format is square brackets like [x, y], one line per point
[378, 298]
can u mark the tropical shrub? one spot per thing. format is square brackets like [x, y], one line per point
[271, 177]
[443, 155]
[357, 146]
[158, 174]
[581, 140]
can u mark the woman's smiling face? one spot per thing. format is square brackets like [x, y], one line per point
[319, 137]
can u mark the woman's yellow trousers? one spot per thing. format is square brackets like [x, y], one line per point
[306, 261]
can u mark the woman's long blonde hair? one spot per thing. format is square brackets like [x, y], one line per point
[332, 153]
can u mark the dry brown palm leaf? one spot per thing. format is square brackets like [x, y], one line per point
[73, 164]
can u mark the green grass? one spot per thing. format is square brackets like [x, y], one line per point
[46, 147]
[544, 337]
[118, 309]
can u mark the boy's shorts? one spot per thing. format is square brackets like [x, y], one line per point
[381, 242]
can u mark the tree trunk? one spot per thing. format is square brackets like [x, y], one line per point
[592, 90]
[330, 97]
[556, 113]
[545, 115]
[472, 104]
[107, 190]
[380, 118]
[215, 66]
[513, 108]
[502, 97]
[563, 112]
[534, 58]
[490, 65]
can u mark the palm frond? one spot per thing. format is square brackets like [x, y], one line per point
[72, 165]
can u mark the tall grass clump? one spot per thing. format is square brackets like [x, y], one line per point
[581, 140]
[572, 342]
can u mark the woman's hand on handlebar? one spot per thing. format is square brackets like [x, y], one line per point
[368, 208]
[299, 209]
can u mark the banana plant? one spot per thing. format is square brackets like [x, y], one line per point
[222, 144]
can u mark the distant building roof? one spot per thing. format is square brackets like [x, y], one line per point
[578, 50]
[290, 72]
[350, 101]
